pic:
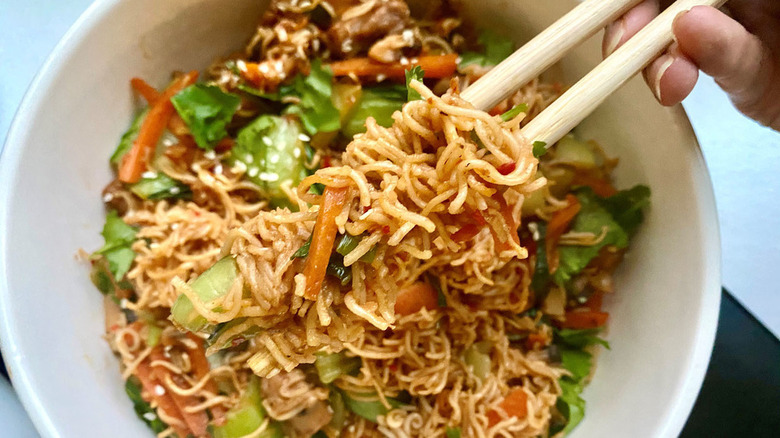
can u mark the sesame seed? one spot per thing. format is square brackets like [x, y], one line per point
[210, 155]
[249, 158]
[267, 140]
[149, 416]
[303, 137]
[404, 60]
[381, 77]
[159, 390]
[267, 176]
[123, 303]
[218, 169]
[108, 197]
[239, 167]
[174, 226]
[253, 172]
[273, 159]
[408, 36]
[296, 153]
[264, 68]
[175, 190]
[149, 174]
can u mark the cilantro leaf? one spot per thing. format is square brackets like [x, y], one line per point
[160, 186]
[416, 73]
[540, 148]
[315, 108]
[377, 102]
[126, 142]
[570, 404]
[495, 49]
[207, 110]
[592, 218]
[118, 238]
[514, 112]
[141, 407]
[626, 207]
[303, 251]
[577, 362]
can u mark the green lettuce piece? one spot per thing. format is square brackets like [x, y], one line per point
[495, 49]
[570, 405]
[579, 338]
[118, 238]
[126, 142]
[315, 108]
[377, 102]
[416, 73]
[207, 110]
[626, 207]
[592, 218]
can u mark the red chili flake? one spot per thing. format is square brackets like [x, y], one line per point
[237, 341]
[386, 229]
[326, 162]
[507, 168]
[114, 327]
[366, 208]
[393, 367]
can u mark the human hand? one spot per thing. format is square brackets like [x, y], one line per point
[741, 53]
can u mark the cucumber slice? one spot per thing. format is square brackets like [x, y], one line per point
[212, 284]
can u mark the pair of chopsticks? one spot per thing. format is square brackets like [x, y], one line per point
[553, 43]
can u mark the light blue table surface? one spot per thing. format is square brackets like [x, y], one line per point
[743, 158]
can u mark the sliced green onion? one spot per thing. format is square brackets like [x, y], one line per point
[331, 366]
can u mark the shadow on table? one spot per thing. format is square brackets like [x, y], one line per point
[741, 392]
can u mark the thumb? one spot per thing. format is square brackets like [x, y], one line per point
[738, 61]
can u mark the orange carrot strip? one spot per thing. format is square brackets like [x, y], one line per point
[414, 297]
[595, 301]
[555, 229]
[535, 340]
[435, 66]
[584, 320]
[323, 238]
[135, 161]
[164, 401]
[600, 186]
[197, 422]
[515, 405]
[144, 89]
[200, 367]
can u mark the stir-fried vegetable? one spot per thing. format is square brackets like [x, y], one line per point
[128, 138]
[478, 357]
[273, 151]
[416, 73]
[117, 249]
[348, 243]
[514, 112]
[377, 102]
[369, 410]
[495, 49]
[556, 227]
[135, 161]
[323, 238]
[160, 186]
[515, 404]
[414, 297]
[315, 107]
[142, 408]
[144, 89]
[206, 110]
[452, 432]
[214, 283]
[331, 366]
[435, 66]
[247, 416]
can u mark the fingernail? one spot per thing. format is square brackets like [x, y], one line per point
[615, 32]
[666, 62]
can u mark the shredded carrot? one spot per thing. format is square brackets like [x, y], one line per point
[535, 340]
[594, 302]
[414, 297]
[587, 319]
[555, 229]
[135, 162]
[197, 422]
[323, 238]
[515, 405]
[435, 66]
[163, 401]
[200, 367]
[144, 89]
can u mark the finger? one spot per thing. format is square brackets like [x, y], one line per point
[628, 25]
[740, 63]
[671, 77]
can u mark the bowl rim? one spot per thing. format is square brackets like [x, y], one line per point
[697, 361]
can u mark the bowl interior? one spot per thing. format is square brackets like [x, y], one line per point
[55, 165]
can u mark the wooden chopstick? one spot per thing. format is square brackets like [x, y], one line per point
[581, 99]
[544, 50]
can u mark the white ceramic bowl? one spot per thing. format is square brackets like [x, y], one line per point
[55, 163]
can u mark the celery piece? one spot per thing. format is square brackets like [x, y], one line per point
[479, 360]
[214, 283]
[247, 416]
[331, 366]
